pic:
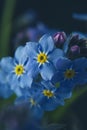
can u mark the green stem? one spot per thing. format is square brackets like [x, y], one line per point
[6, 25]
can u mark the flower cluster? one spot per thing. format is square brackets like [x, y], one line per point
[42, 73]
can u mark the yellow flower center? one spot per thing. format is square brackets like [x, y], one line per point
[41, 58]
[32, 101]
[48, 93]
[19, 70]
[69, 74]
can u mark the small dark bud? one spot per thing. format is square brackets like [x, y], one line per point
[59, 38]
[75, 49]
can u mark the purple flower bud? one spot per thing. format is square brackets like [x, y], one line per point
[59, 38]
[75, 49]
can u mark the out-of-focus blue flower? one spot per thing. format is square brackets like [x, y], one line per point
[82, 17]
[34, 33]
[44, 55]
[71, 73]
[5, 91]
[19, 70]
[33, 98]
[44, 96]
[51, 97]
[29, 18]
[30, 34]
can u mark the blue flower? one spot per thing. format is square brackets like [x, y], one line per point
[71, 73]
[52, 97]
[33, 99]
[41, 97]
[44, 56]
[19, 69]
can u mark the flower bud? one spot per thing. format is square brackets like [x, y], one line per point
[75, 49]
[59, 38]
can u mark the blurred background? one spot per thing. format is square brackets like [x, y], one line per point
[28, 20]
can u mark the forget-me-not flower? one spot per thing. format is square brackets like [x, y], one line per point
[71, 73]
[32, 97]
[19, 69]
[44, 56]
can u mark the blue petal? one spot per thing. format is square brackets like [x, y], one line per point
[13, 81]
[47, 71]
[17, 90]
[57, 77]
[65, 95]
[20, 55]
[80, 63]
[81, 78]
[66, 45]
[7, 64]
[31, 49]
[64, 91]
[25, 81]
[49, 86]
[3, 76]
[63, 63]
[52, 103]
[20, 100]
[46, 43]
[32, 68]
[5, 91]
[57, 53]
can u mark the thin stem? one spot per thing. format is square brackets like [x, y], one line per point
[6, 25]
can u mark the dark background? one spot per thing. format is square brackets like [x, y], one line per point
[54, 13]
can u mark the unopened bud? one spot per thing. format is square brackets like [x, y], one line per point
[75, 49]
[59, 38]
